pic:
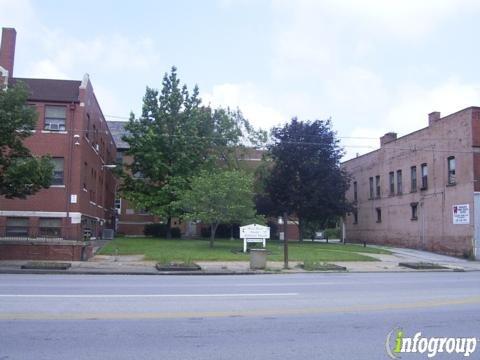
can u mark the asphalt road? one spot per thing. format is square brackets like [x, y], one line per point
[301, 316]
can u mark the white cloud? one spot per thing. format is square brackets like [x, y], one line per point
[358, 89]
[402, 18]
[317, 38]
[361, 140]
[410, 112]
[249, 100]
[46, 69]
[55, 54]
[19, 14]
[415, 102]
[110, 54]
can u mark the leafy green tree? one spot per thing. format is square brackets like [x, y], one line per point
[232, 137]
[173, 140]
[306, 180]
[220, 197]
[166, 147]
[21, 174]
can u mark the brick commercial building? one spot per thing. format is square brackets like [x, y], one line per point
[56, 223]
[421, 190]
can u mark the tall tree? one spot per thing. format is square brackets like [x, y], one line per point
[166, 147]
[220, 197]
[21, 173]
[172, 141]
[306, 180]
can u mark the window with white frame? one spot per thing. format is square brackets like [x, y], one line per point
[118, 205]
[55, 118]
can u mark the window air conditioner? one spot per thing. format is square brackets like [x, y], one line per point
[53, 126]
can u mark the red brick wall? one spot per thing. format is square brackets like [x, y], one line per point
[44, 252]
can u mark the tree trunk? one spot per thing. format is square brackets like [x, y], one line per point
[213, 230]
[300, 229]
[285, 240]
[231, 232]
[169, 227]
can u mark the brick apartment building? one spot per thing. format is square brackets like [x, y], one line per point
[56, 223]
[421, 190]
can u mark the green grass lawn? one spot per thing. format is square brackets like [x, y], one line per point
[163, 250]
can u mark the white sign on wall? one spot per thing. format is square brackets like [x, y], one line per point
[75, 218]
[461, 214]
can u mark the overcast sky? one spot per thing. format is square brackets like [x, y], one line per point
[372, 66]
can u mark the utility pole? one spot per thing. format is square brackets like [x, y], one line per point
[285, 241]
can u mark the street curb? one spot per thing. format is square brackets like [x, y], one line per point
[213, 273]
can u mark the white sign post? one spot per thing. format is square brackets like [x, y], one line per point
[461, 214]
[254, 233]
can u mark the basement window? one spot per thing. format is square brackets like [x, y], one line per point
[50, 227]
[17, 227]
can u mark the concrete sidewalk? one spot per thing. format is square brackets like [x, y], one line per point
[136, 265]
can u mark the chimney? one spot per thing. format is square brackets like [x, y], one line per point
[433, 117]
[7, 50]
[388, 137]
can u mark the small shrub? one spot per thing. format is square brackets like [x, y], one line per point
[160, 230]
[313, 265]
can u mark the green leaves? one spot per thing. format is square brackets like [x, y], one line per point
[164, 146]
[26, 176]
[174, 140]
[21, 174]
[306, 179]
[220, 197]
